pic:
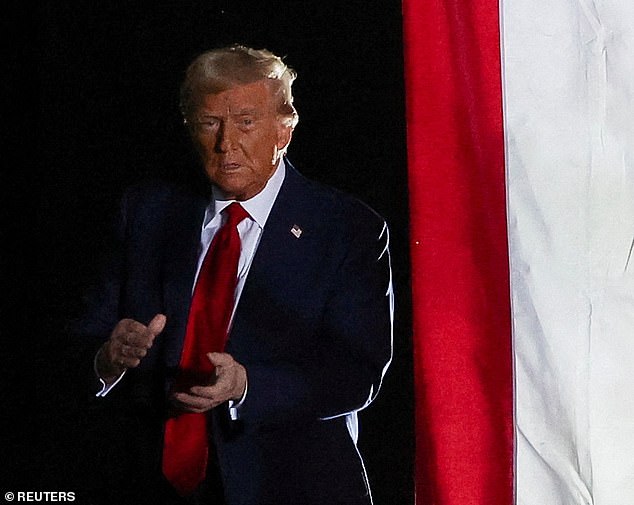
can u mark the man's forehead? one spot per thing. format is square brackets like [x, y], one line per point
[240, 99]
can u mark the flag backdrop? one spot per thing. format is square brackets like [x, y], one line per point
[521, 164]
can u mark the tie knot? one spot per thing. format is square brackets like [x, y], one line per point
[235, 214]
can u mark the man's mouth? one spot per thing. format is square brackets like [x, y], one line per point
[230, 167]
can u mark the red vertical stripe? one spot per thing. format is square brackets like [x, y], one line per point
[462, 335]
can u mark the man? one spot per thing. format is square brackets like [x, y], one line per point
[243, 376]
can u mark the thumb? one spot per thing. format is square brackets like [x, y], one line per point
[219, 358]
[157, 324]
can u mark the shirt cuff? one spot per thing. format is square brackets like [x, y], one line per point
[234, 407]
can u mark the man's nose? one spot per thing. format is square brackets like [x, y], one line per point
[226, 137]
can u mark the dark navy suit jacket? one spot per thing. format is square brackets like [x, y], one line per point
[312, 328]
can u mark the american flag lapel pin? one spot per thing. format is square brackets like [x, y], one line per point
[296, 230]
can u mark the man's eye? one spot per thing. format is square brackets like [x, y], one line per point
[207, 125]
[247, 122]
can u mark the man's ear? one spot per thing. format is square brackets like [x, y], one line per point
[284, 134]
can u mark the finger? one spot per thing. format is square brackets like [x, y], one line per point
[157, 324]
[135, 340]
[128, 357]
[124, 338]
[193, 403]
[215, 392]
[133, 334]
[143, 336]
[130, 351]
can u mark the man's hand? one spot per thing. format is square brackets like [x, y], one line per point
[231, 381]
[128, 344]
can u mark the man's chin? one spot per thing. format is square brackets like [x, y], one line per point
[235, 189]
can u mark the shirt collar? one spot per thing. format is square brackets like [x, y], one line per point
[259, 206]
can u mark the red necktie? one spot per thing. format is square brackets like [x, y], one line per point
[185, 448]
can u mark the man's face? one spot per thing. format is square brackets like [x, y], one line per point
[239, 136]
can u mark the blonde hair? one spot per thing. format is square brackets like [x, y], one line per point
[221, 69]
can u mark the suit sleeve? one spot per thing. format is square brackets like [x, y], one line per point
[356, 342]
[100, 304]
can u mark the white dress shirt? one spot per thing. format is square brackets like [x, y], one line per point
[250, 231]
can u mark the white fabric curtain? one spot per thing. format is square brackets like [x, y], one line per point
[568, 93]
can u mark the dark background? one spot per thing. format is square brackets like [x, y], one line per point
[104, 114]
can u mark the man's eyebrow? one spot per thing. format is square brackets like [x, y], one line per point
[242, 112]
[245, 112]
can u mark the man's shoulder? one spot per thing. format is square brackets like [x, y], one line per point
[155, 194]
[331, 203]
[154, 204]
[162, 191]
[336, 212]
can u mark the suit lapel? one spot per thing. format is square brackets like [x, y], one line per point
[281, 253]
[286, 246]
